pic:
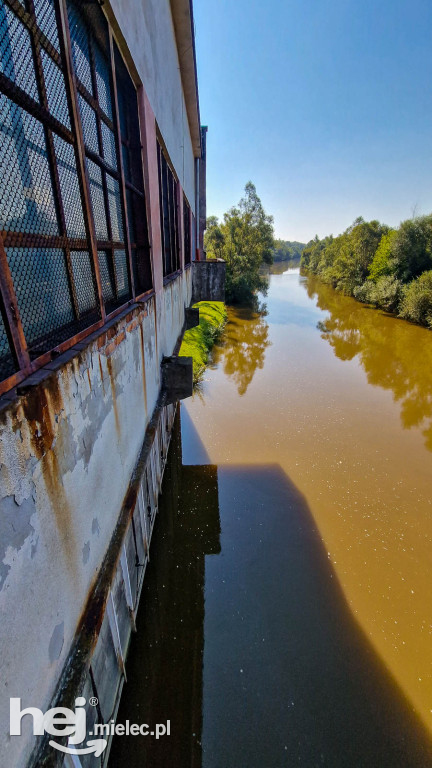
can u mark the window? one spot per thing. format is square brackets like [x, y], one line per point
[46, 261]
[55, 284]
[133, 176]
[168, 199]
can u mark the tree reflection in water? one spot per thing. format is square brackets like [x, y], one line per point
[243, 346]
[395, 355]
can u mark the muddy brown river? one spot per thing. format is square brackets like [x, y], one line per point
[286, 616]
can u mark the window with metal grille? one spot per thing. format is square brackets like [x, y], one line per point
[187, 232]
[92, 66]
[168, 199]
[55, 285]
[43, 245]
[133, 176]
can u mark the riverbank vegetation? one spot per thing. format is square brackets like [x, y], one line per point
[244, 239]
[198, 341]
[388, 268]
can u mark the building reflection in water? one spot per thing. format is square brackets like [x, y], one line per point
[165, 663]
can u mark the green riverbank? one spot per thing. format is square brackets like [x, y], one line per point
[197, 342]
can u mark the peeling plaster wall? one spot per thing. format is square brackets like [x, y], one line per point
[148, 29]
[67, 450]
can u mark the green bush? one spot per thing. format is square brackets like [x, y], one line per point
[386, 293]
[416, 302]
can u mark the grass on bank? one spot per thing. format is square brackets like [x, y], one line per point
[197, 342]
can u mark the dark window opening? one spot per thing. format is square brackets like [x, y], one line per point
[168, 200]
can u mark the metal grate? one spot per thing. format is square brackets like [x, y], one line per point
[46, 19]
[16, 58]
[69, 186]
[41, 285]
[133, 176]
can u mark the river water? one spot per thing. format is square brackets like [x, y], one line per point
[286, 615]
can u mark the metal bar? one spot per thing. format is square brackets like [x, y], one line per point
[22, 99]
[65, 45]
[115, 633]
[118, 142]
[132, 188]
[36, 240]
[101, 163]
[52, 159]
[14, 328]
[127, 586]
[143, 519]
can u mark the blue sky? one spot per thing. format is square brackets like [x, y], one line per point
[326, 105]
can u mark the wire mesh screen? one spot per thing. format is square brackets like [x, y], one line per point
[40, 208]
[91, 60]
[133, 175]
[169, 215]
[45, 252]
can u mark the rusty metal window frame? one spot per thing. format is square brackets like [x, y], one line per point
[169, 215]
[50, 58]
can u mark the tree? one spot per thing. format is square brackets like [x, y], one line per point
[245, 241]
[383, 261]
[412, 248]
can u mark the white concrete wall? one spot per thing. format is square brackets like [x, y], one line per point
[148, 29]
[67, 452]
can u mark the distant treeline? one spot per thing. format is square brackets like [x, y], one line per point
[286, 250]
[389, 268]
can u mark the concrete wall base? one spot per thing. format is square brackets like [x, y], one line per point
[96, 665]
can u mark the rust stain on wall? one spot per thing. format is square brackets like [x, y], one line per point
[60, 506]
[101, 373]
[111, 373]
[42, 407]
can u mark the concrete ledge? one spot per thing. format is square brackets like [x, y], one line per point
[192, 317]
[208, 280]
[177, 378]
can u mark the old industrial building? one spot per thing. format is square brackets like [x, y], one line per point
[102, 213]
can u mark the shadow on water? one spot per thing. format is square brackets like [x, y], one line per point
[395, 354]
[243, 346]
[245, 640]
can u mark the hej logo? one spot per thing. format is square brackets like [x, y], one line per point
[60, 722]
